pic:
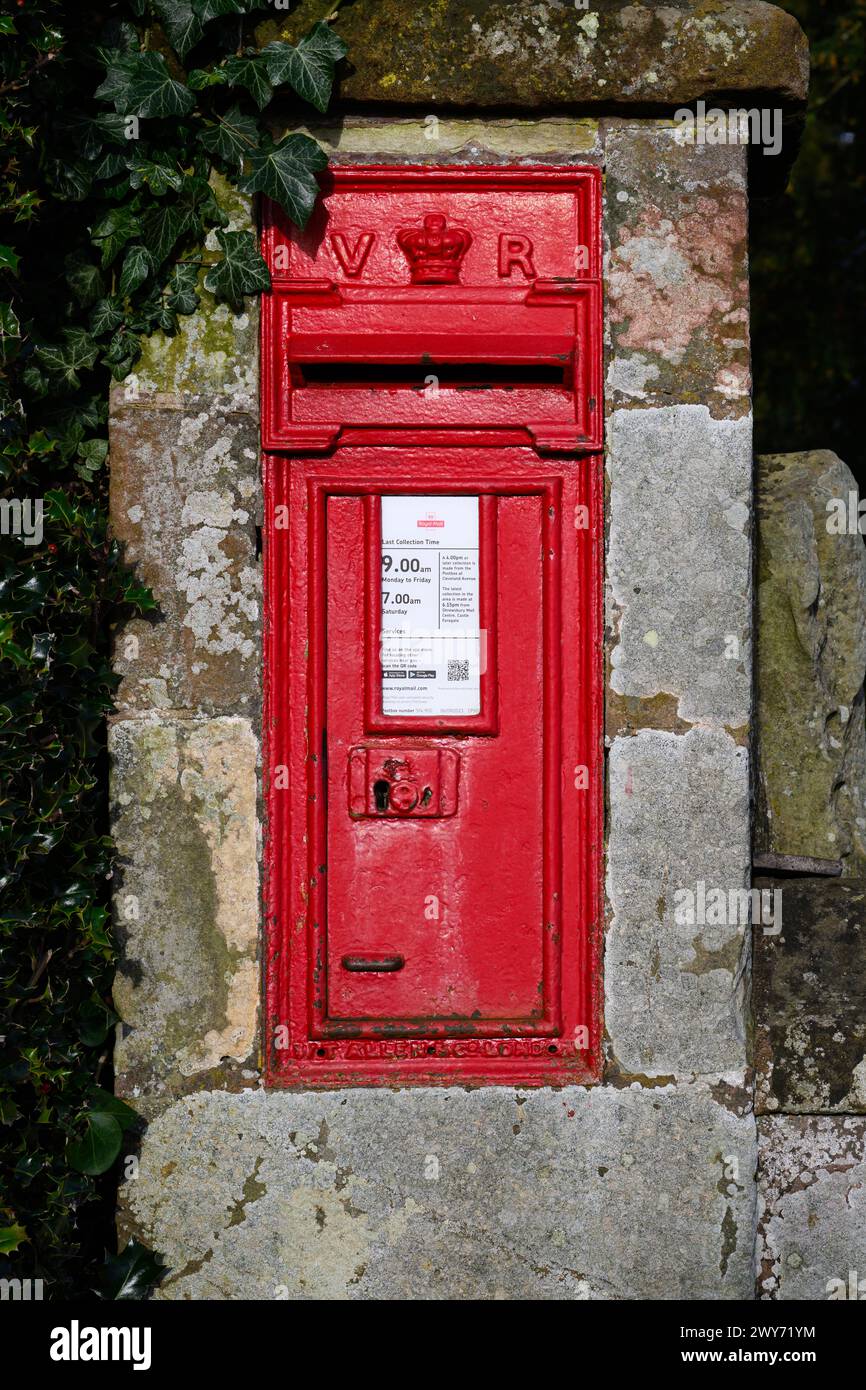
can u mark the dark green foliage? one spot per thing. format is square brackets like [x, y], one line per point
[112, 120]
[808, 254]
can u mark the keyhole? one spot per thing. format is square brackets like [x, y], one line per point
[381, 792]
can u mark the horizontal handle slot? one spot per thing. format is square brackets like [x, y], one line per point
[458, 376]
[369, 965]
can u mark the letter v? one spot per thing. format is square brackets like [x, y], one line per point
[353, 261]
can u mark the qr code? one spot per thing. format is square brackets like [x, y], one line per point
[458, 670]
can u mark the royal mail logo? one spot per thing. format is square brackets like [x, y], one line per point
[435, 251]
[430, 520]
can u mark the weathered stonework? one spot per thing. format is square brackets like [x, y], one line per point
[547, 53]
[809, 987]
[678, 560]
[677, 278]
[811, 1207]
[811, 662]
[678, 816]
[449, 1194]
[184, 813]
[442, 139]
[184, 502]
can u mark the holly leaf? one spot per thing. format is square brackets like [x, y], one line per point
[241, 271]
[137, 265]
[181, 23]
[286, 172]
[232, 138]
[308, 67]
[8, 259]
[131, 1274]
[77, 352]
[252, 74]
[11, 1237]
[98, 1147]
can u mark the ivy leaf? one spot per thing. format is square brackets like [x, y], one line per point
[71, 182]
[110, 165]
[137, 265]
[114, 231]
[10, 334]
[159, 177]
[105, 316]
[241, 271]
[93, 453]
[286, 172]
[252, 74]
[83, 278]
[115, 85]
[98, 1147]
[113, 127]
[131, 1274]
[140, 84]
[215, 9]
[123, 352]
[161, 229]
[232, 138]
[183, 26]
[110, 1104]
[65, 360]
[182, 288]
[309, 67]
[198, 79]
[11, 1237]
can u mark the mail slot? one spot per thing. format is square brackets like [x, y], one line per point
[433, 634]
[434, 298]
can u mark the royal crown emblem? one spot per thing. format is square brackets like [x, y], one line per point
[434, 251]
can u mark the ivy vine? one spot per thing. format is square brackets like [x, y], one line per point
[114, 120]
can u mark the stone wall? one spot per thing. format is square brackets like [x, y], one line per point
[810, 959]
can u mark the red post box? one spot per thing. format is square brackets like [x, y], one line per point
[432, 421]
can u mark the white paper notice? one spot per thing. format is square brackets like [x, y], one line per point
[431, 640]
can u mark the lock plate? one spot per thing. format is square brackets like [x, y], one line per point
[402, 782]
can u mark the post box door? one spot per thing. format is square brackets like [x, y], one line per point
[434, 846]
[435, 843]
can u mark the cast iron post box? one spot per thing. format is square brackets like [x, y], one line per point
[432, 427]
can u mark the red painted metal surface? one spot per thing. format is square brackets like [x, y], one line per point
[433, 880]
[488, 318]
